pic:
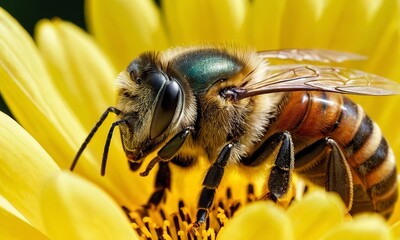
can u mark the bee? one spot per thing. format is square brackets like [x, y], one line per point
[232, 106]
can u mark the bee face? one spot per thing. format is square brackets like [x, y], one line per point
[150, 102]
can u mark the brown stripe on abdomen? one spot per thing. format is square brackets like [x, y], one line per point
[345, 130]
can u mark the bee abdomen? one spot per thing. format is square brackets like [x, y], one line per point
[373, 163]
[377, 173]
[367, 152]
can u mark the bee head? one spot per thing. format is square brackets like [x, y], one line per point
[151, 103]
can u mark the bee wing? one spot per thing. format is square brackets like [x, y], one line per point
[316, 55]
[284, 78]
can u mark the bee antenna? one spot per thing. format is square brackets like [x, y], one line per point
[107, 144]
[91, 134]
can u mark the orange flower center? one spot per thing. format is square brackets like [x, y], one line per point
[155, 222]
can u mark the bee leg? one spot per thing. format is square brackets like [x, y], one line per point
[329, 160]
[166, 153]
[163, 182]
[210, 184]
[338, 174]
[280, 144]
[279, 178]
[164, 156]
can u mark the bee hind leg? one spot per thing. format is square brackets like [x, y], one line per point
[325, 157]
[162, 183]
[338, 174]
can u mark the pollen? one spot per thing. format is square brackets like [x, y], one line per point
[156, 223]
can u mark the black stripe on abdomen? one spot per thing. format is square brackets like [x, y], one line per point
[375, 160]
[363, 133]
[384, 194]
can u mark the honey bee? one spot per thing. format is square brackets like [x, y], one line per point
[234, 107]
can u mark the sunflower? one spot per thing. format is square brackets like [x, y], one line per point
[58, 85]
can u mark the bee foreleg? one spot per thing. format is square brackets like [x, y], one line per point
[210, 184]
[325, 158]
[163, 182]
[164, 156]
[166, 153]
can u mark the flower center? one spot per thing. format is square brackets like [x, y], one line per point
[156, 223]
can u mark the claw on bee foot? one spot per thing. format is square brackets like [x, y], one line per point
[194, 229]
[150, 166]
[201, 219]
[269, 196]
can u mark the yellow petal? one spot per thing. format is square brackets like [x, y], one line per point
[8, 207]
[81, 72]
[366, 227]
[13, 226]
[194, 21]
[24, 167]
[385, 58]
[395, 229]
[309, 216]
[260, 220]
[263, 24]
[310, 23]
[28, 90]
[125, 28]
[362, 23]
[76, 209]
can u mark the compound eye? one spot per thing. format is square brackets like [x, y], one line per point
[167, 102]
[156, 80]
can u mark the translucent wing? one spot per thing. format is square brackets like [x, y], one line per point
[284, 78]
[317, 55]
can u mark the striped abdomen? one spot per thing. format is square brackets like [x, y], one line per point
[311, 116]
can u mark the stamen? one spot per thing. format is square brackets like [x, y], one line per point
[250, 193]
[228, 193]
[232, 209]
[305, 189]
[158, 223]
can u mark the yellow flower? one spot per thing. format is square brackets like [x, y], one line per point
[58, 87]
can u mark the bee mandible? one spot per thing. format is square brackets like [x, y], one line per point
[234, 107]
